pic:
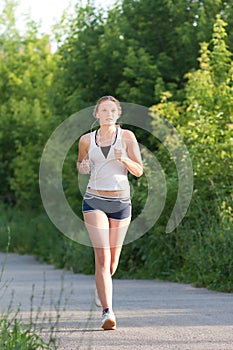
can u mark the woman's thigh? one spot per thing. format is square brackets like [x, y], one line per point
[97, 224]
[117, 231]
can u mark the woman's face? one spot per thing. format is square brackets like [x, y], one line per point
[107, 113]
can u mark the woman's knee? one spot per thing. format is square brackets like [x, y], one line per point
[102, 260]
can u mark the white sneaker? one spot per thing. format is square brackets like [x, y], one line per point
[108, 321]
[97, 299]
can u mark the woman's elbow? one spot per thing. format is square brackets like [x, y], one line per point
[139, 171]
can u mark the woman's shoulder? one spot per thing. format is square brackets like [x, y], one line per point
[127, 134]
[85, 139]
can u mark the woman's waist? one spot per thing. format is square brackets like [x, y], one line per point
[110, 193]
[113, 185]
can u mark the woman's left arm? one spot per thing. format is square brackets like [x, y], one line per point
[133, 162]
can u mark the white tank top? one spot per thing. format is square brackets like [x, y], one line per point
[107, 173]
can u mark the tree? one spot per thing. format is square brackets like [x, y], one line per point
[139, 76]
[205, 118]
[76, 79]
[170, 32]
[209, 95]
[26, 73]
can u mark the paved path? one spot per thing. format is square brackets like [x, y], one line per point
[151, 314]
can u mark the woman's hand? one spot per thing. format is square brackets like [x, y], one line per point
[84, 167]
[118, 152]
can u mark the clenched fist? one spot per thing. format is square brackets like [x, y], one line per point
[118, 153]
[84, 167]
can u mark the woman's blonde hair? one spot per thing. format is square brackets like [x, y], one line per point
[107, 98]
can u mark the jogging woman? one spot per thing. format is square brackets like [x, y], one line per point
[108, 153]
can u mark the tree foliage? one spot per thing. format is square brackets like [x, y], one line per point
[204, 120]
[171, 32]
[26, 73]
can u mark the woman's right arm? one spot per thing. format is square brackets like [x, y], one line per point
[83, 163]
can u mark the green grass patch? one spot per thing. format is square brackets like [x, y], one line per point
[15, 335]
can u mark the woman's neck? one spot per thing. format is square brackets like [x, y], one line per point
[107, 129]
[106, 135]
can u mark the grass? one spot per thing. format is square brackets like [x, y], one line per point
[16, 335]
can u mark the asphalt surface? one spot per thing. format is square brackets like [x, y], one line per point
[150, 314]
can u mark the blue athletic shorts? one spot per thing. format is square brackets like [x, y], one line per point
[114, 207]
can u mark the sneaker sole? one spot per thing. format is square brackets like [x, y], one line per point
[109, 325]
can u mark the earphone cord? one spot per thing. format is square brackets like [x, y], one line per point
[93, 124]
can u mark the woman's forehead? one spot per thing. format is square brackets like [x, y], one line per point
[107, 104]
